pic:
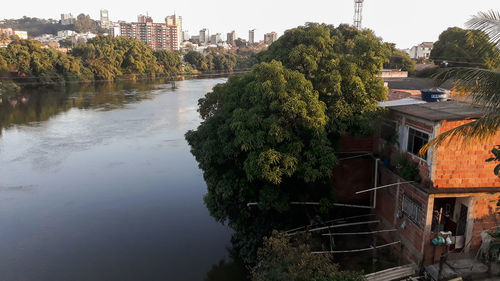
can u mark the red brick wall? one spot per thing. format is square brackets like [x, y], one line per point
[485, 217]
[350, 143]
[464, 166]
[386, 202]
[353, 175]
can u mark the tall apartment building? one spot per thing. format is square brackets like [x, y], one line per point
[251, 36]
[177, 21]
[216, 38]
[105, 19]
[67, 19]
[231, 37]
[269, 38]
[204, 36]
[185, 36]
[158, 36]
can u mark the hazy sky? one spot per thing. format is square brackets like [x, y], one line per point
[403, 22]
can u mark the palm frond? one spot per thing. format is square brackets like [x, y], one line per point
[489, 23]
[479, 130]
[482, 85]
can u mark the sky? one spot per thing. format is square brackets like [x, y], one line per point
[403, 22]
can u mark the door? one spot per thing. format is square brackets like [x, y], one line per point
[462, 220]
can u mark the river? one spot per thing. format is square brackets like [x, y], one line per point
[97, 183]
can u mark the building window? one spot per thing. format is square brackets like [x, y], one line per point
[412, 209]
[416, 140]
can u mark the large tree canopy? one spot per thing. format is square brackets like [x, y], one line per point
[342, 63]
[263, 140]
[465, 48]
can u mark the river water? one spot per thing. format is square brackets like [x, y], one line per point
[97, 183]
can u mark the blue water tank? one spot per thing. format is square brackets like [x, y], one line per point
[435, 95]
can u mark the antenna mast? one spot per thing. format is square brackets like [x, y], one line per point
[358, 9]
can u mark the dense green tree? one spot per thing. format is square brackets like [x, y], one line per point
[400, 60]
[37, 64]
[197, 60]
[465, 48]
[169, 62]
[343, 64]
[83, 23]
[263, 140]
[280, 259]
[109, 57]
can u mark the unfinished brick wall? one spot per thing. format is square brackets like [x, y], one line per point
[458, 166]
[412, 234]
[485, 217]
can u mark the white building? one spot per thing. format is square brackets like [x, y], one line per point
[216, 38]
[176, 20]
[65, 33]
[67, 19]
[422, 51]
[105, 23]
[185, 35]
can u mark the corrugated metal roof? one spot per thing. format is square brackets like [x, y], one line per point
[445, 110]
[405, 101]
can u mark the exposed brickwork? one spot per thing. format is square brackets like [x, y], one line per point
[412, 233]
[457, 165]
[353, 175]
[485, 217]
[419, 125]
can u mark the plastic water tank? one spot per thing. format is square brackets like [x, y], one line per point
[435, 95]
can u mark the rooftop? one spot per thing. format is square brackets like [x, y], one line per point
[445, 110]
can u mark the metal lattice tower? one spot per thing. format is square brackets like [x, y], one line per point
[358, 9]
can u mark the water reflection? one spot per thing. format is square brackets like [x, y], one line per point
[97, 183]
[37, 105]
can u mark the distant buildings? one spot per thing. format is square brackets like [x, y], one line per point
[185, 35]
[67, 19]
[251, 36]
[156, 35]
[216, 38]
[269, 38]
[231, 37]
[105, 23]
[177, 21]
[11, 32]
[7, 31]
[204, 36]
[422, 51]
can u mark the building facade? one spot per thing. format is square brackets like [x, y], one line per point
[105, 23]
[204, 36]
[158, 36]
[175, 20]
[231, 37]
[251, 36]
[67, 19]
[269, 38]
[421, 51]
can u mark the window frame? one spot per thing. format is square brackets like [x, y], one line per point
[408, 139]
[415, 209]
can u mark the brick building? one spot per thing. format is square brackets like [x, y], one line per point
[457, 192]
[158, 36]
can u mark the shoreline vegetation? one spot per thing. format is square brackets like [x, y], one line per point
[27, 62]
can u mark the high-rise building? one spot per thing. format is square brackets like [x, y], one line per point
[270, 37]
[177, 21]
[67, 19]
[144, 19]
[251, 36]
[216, 38]
[105, 19]
[204, 36]
[185, 35]
[231, 37]
[155, 35]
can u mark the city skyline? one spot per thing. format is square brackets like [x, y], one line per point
[391, 20]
